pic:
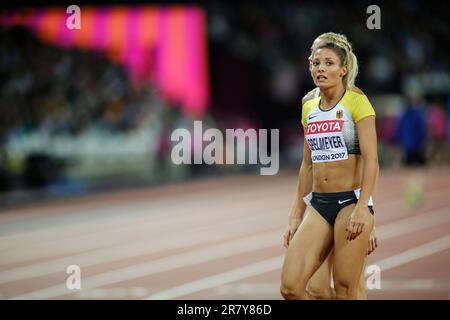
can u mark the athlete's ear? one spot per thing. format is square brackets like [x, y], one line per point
[344, 71]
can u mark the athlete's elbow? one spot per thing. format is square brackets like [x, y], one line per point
[370, 158]
[373, 164]
[307, 163]
[307, 167]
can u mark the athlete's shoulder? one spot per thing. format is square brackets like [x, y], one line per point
[310, 96]
[308, 102]
[358, 103]
[353, 97]
[358, 90]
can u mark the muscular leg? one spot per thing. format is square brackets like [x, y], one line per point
[319, 286]
[309, 247]
[349, 256]
[361, 294]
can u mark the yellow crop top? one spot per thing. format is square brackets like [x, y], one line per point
[331, 134]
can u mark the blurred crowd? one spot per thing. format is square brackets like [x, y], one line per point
[278, 37]
[48, 91]
[269, 46]
[63, 91]
[259, 73]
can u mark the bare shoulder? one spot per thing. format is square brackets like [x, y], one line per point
[308, 96]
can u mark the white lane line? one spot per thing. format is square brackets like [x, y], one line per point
[272, 288]
[109, 217]
[246, 288]
[415, 223]
[113, 216]
[239, 246]
[72, 245]
[223, 231]
[414, 254]
[151, 246]
[252, 270]
[269, 265]
[91, 237]
[404, 226]
[138, 229]
[414, 284]
[127, 251]
[140, 213]
[113, 293]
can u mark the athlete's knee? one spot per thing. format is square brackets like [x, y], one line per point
[326, 294]
[323, 293]
[293, 292]
[345, 291]
[361, 293]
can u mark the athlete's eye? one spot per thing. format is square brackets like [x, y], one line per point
[330, 63]
[315, 63]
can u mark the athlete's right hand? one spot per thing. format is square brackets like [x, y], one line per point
[293, 224]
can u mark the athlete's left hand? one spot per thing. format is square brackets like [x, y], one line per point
[356, 224]
[373, 242]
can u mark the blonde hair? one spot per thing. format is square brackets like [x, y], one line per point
[348, 59]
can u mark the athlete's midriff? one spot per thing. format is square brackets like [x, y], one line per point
[338, 176]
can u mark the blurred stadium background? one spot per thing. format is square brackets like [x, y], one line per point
[85, 122]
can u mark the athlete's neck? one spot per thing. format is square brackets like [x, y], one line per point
[330, 96]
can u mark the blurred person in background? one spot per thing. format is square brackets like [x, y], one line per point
[338, 210]
[437, 134]
[412, 130]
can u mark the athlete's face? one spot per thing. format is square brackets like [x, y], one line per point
[326, 68]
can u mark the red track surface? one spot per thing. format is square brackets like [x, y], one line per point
[214, 239]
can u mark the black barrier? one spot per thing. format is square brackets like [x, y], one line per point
[224, 309]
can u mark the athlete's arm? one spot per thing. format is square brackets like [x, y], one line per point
[373, 241]
[368, 146]
[304, 184]
[304, 187]
[305, 180]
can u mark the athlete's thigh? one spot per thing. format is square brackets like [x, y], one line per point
[308, 248]
[350, 256]
[321, 279]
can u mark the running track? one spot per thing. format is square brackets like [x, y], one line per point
[213, 239]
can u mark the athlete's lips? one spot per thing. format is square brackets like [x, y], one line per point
[321, 77]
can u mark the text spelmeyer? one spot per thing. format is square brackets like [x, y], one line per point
[325, 143]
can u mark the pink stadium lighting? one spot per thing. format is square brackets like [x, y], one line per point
[164, 45]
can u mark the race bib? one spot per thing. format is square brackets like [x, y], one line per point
[326, 141]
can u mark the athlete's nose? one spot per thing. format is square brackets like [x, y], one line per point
[321, 68]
